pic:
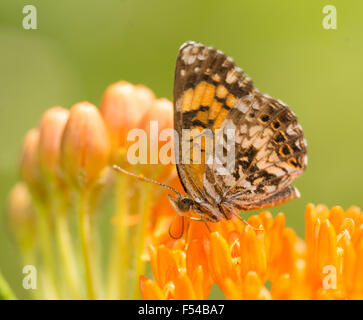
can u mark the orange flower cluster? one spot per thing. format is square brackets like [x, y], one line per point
[66, 163]
[241, 259]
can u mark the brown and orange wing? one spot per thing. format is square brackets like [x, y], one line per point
[208, 85]
[270, 153]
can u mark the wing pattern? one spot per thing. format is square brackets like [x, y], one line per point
[213, 95]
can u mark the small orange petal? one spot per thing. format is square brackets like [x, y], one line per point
[169, 290]
[255, 221]
[353, 213]
[326, 246]
[336, 217]
[234, 243]
[238, 224]
[346, 230]
[267, 220]
[197, 230]
[221, 259]
[322, 211]
[150, 289]
[160, 230]
[349, 261]
[281, 288]
[358, 274]
[273, 242]
[253, 254]
[232, 290]
[202, 283]
[253, 288]
[180, 258]
[300, 287]
[183, 288]
[288, 257]
[196, 256]
[167, 266]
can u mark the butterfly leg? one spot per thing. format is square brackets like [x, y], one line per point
[246, 223]
[203, 220]
[228, 212]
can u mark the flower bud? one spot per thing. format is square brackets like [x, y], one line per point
[123, 105]
[21, 215]
[85, 145]
[29, 163]
[158, 124]
[51, 129]
[160, 111]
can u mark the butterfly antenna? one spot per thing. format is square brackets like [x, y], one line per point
[142, 178]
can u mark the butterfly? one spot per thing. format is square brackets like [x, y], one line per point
[269, 149]
[211, 92]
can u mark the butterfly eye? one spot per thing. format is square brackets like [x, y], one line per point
[184, 204]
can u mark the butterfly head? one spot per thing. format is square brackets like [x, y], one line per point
[181, 203]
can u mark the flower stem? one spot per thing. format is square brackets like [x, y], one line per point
[5, 292]
[65, 247]
[138, 263]
[86, 242]
[118, 265]
[45, 241]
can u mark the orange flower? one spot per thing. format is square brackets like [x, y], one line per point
[241, 259]
[122, 108]
[29, 162]
[51, 129]
[263, 259]
[21, 215]
[175, 278]
[85, 146]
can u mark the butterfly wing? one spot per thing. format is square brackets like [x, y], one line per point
[212, 93]
[207, 86]
[270, 153]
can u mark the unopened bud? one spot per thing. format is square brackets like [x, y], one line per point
[85, 146]
[21, 215]
[51, 129]
[122, 108]
[29, 163]
[158, 124]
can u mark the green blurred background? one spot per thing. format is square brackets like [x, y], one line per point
[81, 47]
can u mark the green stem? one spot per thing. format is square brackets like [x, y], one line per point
[138, 263]
[47, 252]
[118, 264]
[86, 242]
[65, 247]
[5, 292]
